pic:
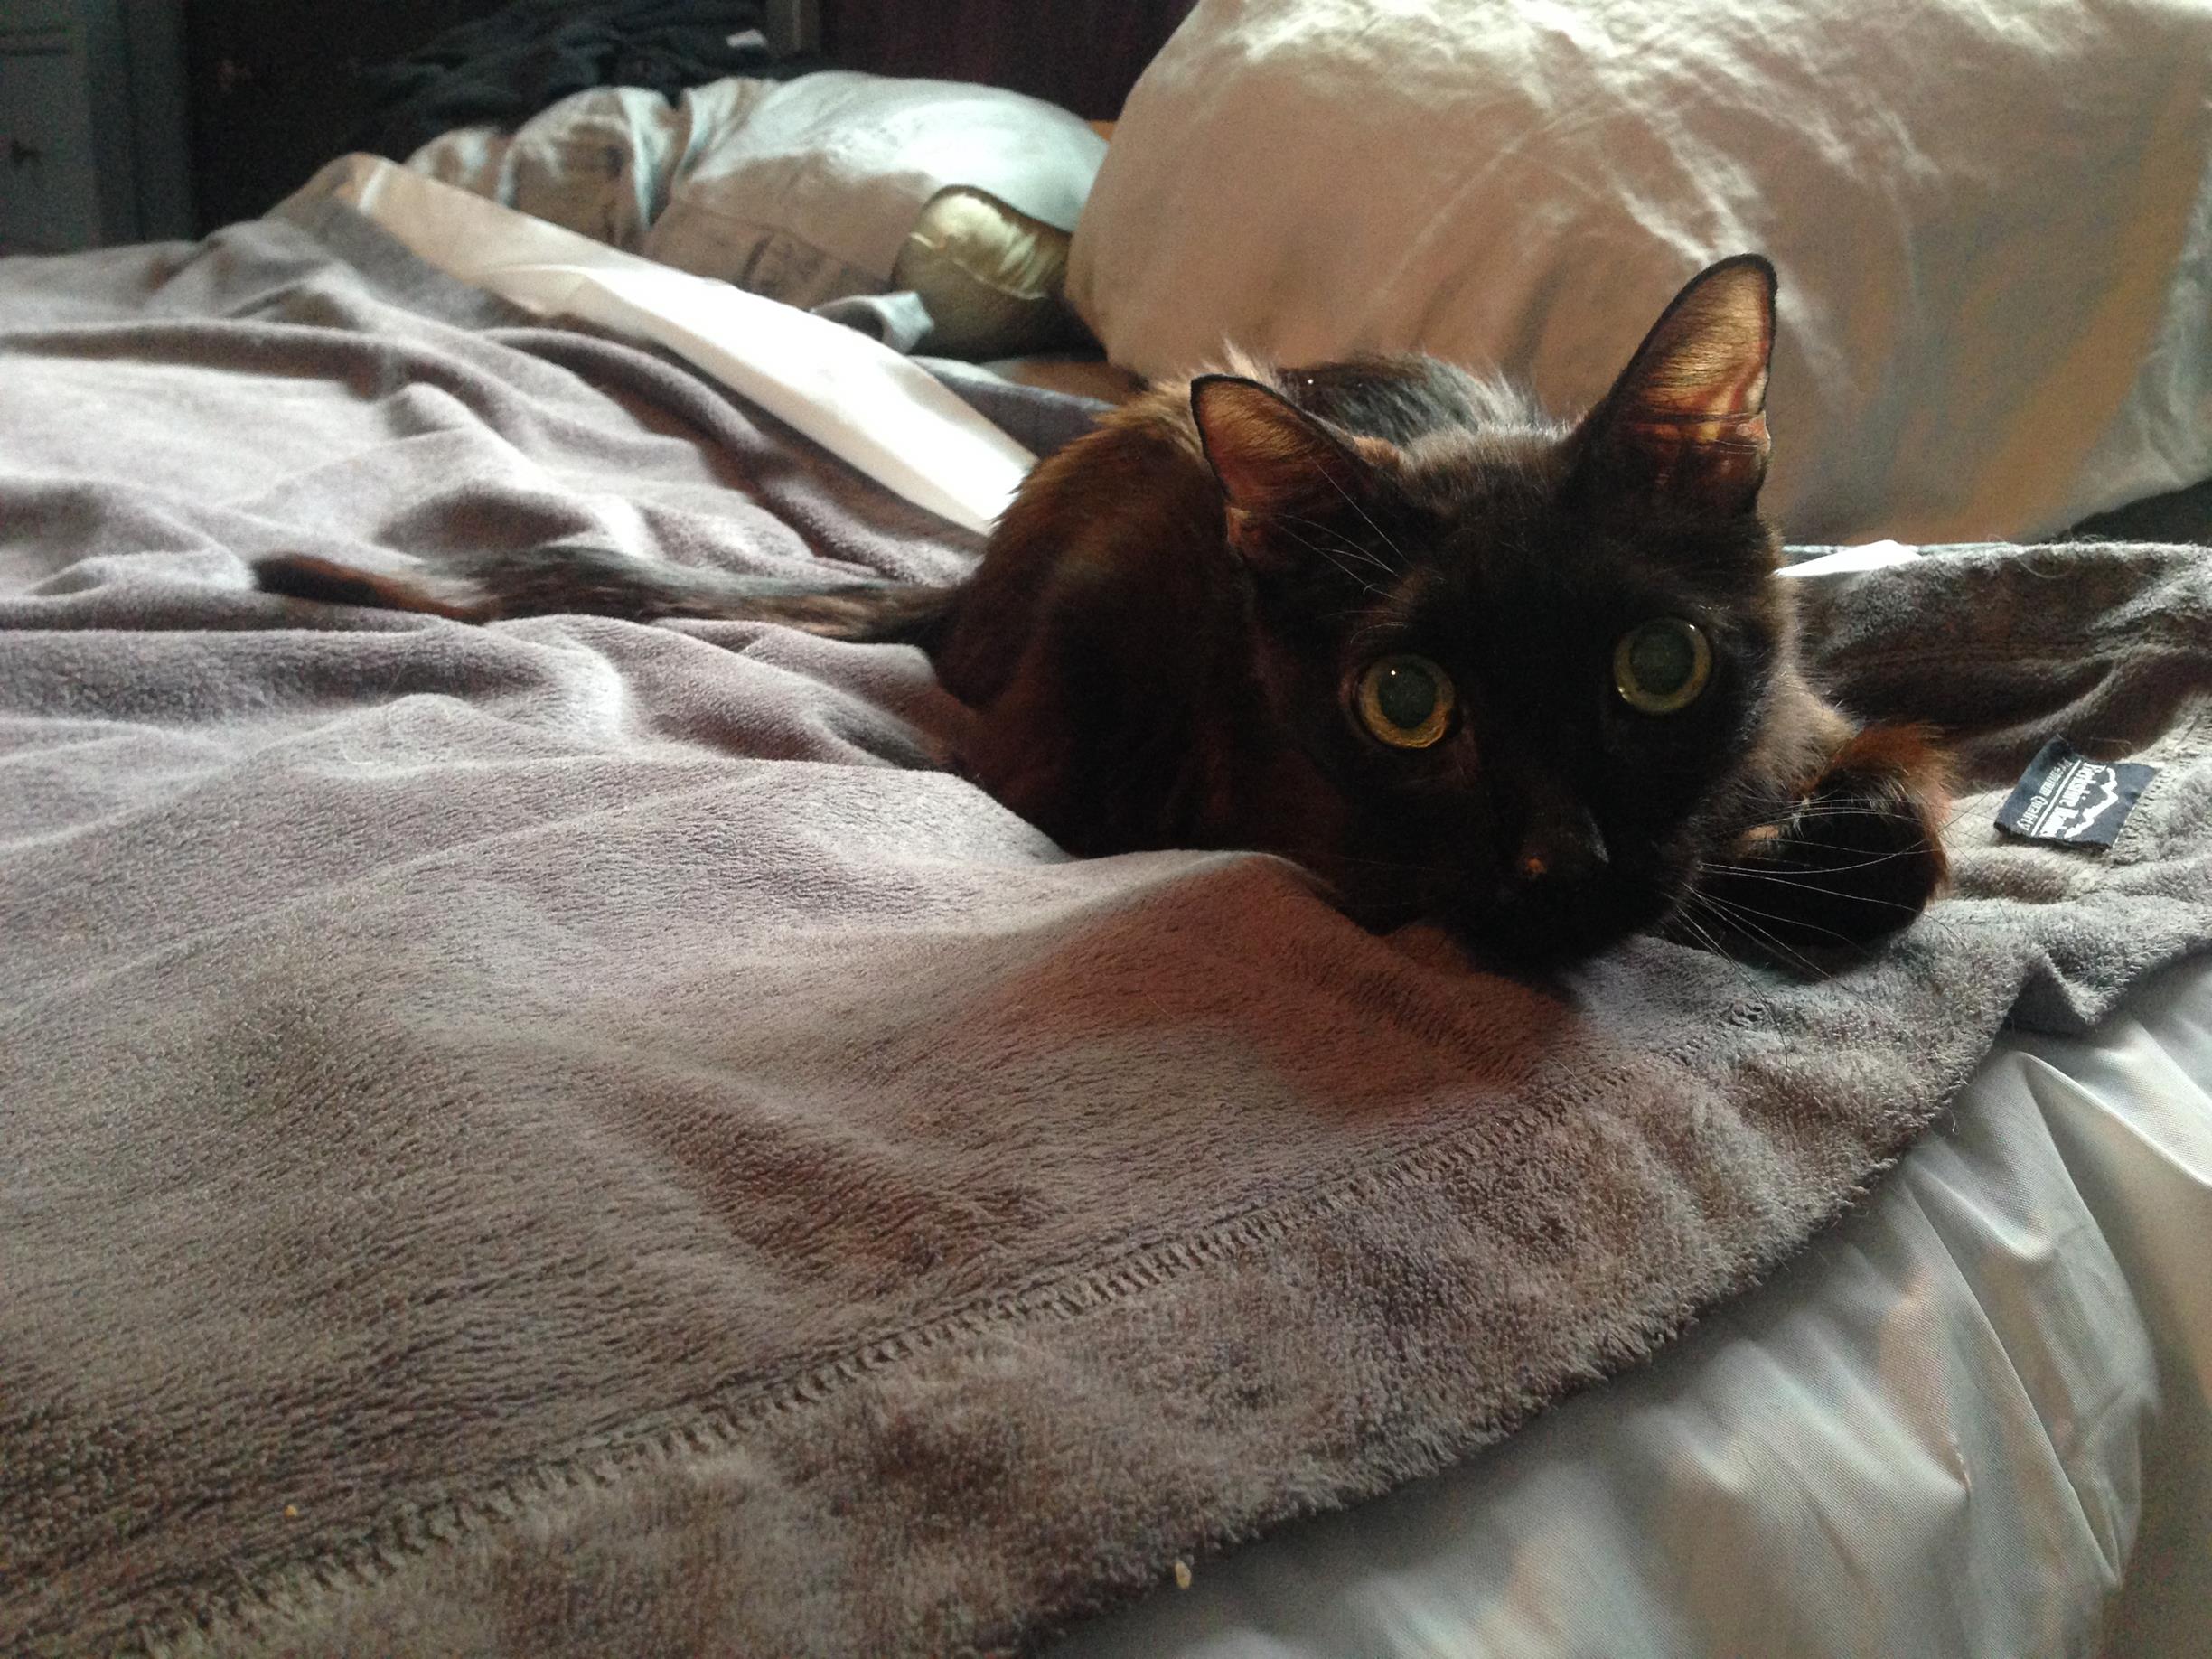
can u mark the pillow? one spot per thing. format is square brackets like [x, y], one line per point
[831, 173]
[596, 162]
[814, 190]
[989, 275]
[1993, 224]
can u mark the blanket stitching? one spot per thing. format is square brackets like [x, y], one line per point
[287, 1590]
[409, 1529]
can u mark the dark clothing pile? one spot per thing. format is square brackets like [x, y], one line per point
[499, 71]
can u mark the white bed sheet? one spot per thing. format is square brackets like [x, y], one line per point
[1975, 1419]
[854, 396]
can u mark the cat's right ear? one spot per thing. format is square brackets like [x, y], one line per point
[1270, 456]
[1687, 419]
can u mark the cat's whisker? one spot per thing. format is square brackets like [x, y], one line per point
[1363, 512]
[1835, 869]
[1738, 914]
[1850, 809]
[1745, 978]
[1816, 886]
[1711, 942]
[1957, 815]
[1349, 574]
[1912, 850]
[1733, 910]
[1926, 918]
[1918, 844]
[1374, 628]
[1701, 935]
[1344, 543]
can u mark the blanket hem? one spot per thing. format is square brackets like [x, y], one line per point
[259, 1602]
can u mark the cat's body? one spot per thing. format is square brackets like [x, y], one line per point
[1537, 680]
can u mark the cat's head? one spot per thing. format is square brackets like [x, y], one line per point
[1538, 663]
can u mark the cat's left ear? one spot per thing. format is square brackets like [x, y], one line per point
[1687, 418]
[1270, 456]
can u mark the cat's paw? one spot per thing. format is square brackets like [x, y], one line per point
[1855, 857]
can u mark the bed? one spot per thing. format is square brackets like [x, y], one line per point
[574, 1137]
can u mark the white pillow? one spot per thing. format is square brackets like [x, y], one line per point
[834, 169]
[1993, 222]
[810, 190]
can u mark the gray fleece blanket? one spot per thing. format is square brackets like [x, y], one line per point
[572, 1138]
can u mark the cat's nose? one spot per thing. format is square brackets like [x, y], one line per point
[1562, 844]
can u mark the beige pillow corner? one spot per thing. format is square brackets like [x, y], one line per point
[992, 275]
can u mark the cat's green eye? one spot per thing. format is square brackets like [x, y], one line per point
[1406, 701]
[1661, 666]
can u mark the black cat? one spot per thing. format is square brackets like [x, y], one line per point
[1536, 680]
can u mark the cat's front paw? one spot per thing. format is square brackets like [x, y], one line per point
[1856, 857]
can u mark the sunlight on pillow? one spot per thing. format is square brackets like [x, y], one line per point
[1993, 223]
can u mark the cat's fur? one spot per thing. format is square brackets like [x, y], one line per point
[1166, 635]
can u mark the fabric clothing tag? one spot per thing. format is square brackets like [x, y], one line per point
[2068, 798]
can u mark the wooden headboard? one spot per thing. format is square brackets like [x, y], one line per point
[1082, 54]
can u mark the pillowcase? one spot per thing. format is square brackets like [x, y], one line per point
[1993, 224]
[815, 190]
[990, 276]
[829, 174]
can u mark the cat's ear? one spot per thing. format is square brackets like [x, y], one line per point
[1271, 457]
[1687, 418]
